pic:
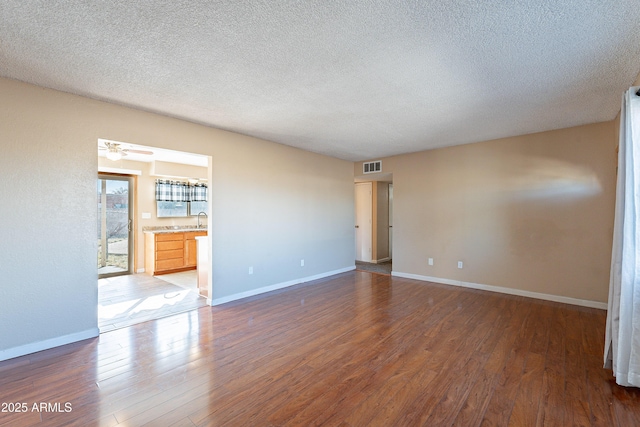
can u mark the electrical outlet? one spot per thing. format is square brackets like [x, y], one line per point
[459, 264]
[301, 263]
[430, 261]
[250, 270]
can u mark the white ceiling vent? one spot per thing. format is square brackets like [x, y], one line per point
[372, 167]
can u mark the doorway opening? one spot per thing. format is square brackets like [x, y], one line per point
[374, 223]
[148, 263]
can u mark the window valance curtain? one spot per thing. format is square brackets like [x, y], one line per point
[198, 192]
[177, 191]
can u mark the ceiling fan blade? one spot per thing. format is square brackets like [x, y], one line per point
[137, 151]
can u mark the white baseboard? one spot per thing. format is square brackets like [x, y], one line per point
[378, 261]
[140, 270]
[277, 286]
[499, 289]
[47, 344]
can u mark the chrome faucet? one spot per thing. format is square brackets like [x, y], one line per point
[205, 214]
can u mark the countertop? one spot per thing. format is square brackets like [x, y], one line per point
[171, 229]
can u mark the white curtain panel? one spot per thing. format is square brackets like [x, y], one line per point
[622, 340]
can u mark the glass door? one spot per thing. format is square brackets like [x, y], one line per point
[115, 220]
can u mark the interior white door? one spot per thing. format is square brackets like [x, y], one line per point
[364, 210]
[391, 221]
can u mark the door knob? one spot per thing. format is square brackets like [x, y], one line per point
[357, 226]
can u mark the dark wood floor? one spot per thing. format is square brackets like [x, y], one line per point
[356, 349]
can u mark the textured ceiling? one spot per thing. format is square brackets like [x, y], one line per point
[350, 79]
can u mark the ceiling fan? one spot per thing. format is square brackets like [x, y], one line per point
[116, 152]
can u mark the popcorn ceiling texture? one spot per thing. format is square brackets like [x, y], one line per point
[354, 80]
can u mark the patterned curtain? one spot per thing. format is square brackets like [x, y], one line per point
[176, 191]
[198, 193]
[163, 191]
[179, 191]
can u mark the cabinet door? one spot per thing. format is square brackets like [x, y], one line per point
[191, 253]
[191, 248]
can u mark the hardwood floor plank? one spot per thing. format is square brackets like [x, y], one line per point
[349, 350]
[383, 387]
[509, 359]
[475, 406]
[577, 412]
[556, 350]
[447, 409]
[25, 419]
[397, 407]
[552, 407]
[576, 373]
[451, 359]
[540, 341]
[626, 404]
[525, 409]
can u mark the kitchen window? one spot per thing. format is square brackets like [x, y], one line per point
[180, 209]
[180, 199]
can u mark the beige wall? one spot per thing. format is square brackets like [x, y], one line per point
[532, 213]
[145, 201]
[162, 169]
[272, 206]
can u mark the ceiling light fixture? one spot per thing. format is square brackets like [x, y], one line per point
[114, 155]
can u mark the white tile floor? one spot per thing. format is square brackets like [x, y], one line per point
[136, 298]
[184, 279]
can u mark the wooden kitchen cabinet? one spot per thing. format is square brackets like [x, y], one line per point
[191, 248]
[170, 252]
